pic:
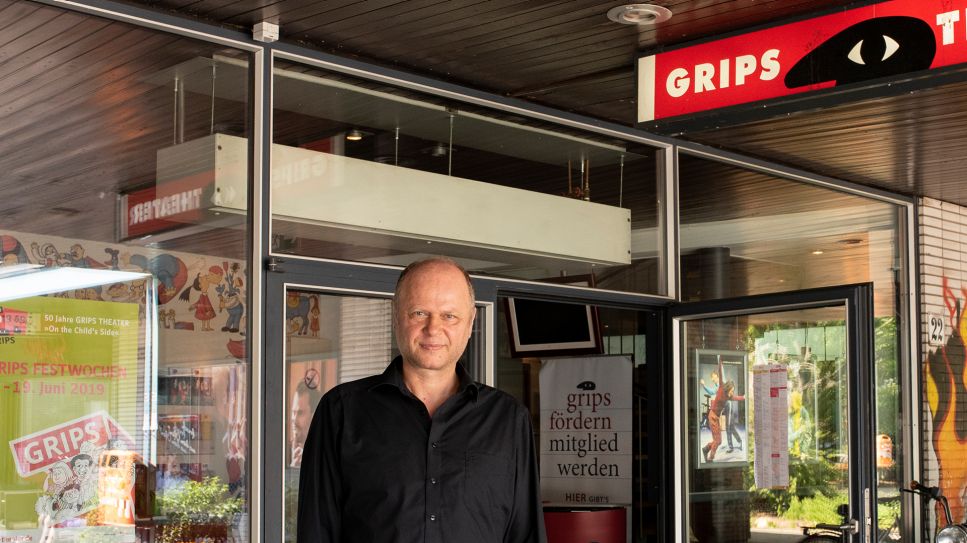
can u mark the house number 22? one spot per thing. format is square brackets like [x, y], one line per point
[937, 329]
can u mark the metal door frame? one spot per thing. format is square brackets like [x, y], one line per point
[858, 301]
[372, 281]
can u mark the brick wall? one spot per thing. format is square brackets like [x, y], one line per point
[943, 294]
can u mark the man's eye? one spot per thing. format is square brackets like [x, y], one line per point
[419, 314]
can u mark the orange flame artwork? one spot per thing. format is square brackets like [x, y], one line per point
[946, 392]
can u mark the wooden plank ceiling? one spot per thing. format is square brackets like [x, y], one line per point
[81, 101]
[568, 55]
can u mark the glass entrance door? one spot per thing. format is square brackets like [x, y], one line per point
[775, 416]
[329, 324]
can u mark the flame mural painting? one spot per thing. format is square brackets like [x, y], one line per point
[946, 394]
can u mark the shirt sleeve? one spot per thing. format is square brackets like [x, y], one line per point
[319, 517]
[527, 518]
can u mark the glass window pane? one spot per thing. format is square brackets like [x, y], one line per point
[333, 339]
[372, 173]
[110, 156]
[767, 424]
[597, 452]
[747, 232]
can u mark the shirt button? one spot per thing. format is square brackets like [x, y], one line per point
[434, 444]
[432, 517]
[432, 480]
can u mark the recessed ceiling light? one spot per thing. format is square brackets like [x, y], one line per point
[639, 14]
[818, 252]
[354, 135]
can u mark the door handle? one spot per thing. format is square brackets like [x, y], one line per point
[273, 264]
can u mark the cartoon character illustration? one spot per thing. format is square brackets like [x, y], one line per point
[230, 299]
[76, 258]
[118, 292]
[68, 503]
[167, 317]
[203, 308]
[86, 477]
[297, 313]
[70, 488]
[127, 292]
[90, 293]
[12, 252]
[236, 348]
[171, 272]
[314, 317]
[58, 477]
[47, 254]
[115, 262]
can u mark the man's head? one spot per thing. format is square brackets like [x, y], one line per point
[304, 400]
[433, 312]
[729, 388]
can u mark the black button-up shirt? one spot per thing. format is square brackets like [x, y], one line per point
[377, 468]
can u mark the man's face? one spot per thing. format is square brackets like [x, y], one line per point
[300, 418]
[434, 317]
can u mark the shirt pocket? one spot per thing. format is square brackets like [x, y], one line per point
[490, 480]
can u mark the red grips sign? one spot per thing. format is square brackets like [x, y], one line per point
[878, 42]
[40, 450]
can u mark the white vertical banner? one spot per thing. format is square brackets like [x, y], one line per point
[586, 430]
[771, 414]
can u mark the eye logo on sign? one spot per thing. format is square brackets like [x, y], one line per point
[586, 385]
[881, 47]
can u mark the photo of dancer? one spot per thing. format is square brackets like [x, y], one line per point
[720, 398]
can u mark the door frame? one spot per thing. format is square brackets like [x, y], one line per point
[331, 278]
[669, 424]
[379, 281]
[282, 274]
[858, 301]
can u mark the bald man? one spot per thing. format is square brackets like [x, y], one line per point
[422, 453]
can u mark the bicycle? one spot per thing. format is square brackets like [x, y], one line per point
[832, 533]
[840, 533]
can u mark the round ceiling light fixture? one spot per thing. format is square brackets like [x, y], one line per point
[639, 14]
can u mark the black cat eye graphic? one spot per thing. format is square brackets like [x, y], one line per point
[880, 47]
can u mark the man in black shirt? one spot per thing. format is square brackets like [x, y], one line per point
[422, 453]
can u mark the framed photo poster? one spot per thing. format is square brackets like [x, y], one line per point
[721, 381]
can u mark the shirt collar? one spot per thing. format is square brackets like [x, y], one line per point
[393, 376]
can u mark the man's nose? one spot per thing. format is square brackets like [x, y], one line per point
[433, 323]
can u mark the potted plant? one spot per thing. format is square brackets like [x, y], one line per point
[198, 511]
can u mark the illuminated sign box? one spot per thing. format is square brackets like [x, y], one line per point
[342, 199]
[880, 42]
